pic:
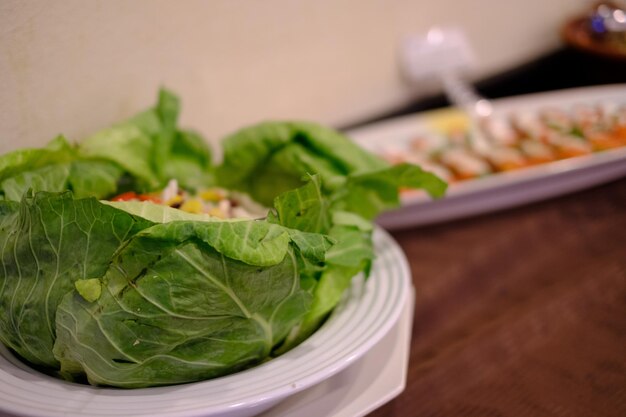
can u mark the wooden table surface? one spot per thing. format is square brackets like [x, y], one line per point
[521, 312]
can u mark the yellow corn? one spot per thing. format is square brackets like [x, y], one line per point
[174, 200]
[211, 195]
[215, 212]
[192, 206]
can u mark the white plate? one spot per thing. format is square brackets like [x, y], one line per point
[365, 315]
[372, 381]
[502, 190]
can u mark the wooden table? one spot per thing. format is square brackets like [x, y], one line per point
[521, 312]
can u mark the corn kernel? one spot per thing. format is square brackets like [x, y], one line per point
[215, 212]
[192, 206]
[211, 195]
[177, 199]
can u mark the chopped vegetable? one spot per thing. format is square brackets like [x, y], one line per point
[216, 202]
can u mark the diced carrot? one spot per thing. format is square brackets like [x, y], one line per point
[150, 197]
[127, 196]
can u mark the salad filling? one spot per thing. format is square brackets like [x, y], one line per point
[216, 202]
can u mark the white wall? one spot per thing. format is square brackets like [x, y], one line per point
[74, 66]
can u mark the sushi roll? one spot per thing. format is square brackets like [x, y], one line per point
[529, 125]
[586, 117]
[557, 119]
[569, 146]
[499, 131]
[428, 144]
[463, 163]
[536, 151]
[504, 158]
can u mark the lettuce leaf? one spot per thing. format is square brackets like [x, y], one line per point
[57, 150]
[135, 294]
[189, 160]
[55, 168]
[304, 208]
[50, 178]
[174, 309]
[91, 179]
[308, 209]
[152, 150]
[142, 153]
[319, 181]
[371, 193]
[96, 290]
[270, 158]
[47, 242]
[44, 168]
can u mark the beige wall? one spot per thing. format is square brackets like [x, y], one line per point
[74, 66]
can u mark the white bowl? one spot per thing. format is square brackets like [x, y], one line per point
[368, 311]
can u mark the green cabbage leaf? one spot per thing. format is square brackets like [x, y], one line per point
[319, 181]
[135, 294]
[91, 290]
[140, 154]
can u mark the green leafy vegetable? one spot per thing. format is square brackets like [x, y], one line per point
[51, 177]
[91, 289]
[369, 194]
[270, 158]
[189, 161]
[308, 209]
[151, 148]
[45, 168]
[92, 179]
[131, 144]
[304, 208]
[320, 181]
[47, 243]
[135, 294]
[177, 310]
[142, 153]
[56, 151]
